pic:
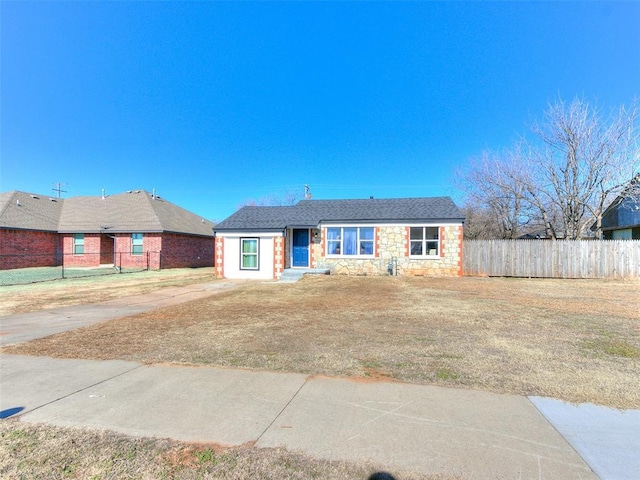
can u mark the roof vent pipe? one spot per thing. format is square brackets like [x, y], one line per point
[103, 193]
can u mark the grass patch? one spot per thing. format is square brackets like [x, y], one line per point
[622, 349]
[446, 374]
[31, 451]
[616, 348]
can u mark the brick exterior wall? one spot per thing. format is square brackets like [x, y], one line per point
[182, 251]
[278, 256]
[219, 257]
[159, 250]
[91, 256]
[29, 248]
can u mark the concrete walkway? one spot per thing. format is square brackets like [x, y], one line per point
[29, 326]
[400, 426]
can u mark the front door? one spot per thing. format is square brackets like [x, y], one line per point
[300, 247]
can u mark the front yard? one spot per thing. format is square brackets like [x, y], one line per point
[574, 340]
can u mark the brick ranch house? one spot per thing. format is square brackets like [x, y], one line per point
[404, 236]
[130, 229]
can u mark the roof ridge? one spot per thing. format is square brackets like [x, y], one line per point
[153, 208]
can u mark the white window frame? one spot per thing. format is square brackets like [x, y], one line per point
[425, 244]
[359, 241]
[137, 240]
[78, 243]
[243, 253]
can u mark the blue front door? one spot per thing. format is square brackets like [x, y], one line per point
[300, 248]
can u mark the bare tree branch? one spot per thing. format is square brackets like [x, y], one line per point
[564, 177]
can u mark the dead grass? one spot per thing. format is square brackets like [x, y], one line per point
[66, 292]
[29, 451]
[574, 340]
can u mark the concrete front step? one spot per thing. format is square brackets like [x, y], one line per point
[294, 274]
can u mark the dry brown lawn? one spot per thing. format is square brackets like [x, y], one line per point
[41, 452]
[77, 291]
[575, 340]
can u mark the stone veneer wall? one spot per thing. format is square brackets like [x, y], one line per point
[392, 242]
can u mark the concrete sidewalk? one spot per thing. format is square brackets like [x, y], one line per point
[400, 426]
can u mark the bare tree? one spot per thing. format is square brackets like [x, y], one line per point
[562, 178]
[495, 195]
[287, 198]
[583, 161]
[481, 223]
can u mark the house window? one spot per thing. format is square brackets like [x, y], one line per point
[424, 241]
[136, 243]
[249, 254]
[350, 240]
[78, 243]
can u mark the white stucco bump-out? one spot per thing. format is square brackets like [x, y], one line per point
[265, 256]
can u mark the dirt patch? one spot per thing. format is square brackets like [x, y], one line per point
[574, 340]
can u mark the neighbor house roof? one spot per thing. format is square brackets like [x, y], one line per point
[133, 211]
[311, 213]
[29, 211]
[624, 211]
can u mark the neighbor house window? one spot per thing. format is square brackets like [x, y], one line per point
[136, 244]
[249, 254]
[78, 243]
[425, 241]
[350, 240]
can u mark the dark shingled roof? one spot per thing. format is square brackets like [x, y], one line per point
[135, 211]
[310, 213]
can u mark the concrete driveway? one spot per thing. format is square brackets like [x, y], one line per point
[29, 326]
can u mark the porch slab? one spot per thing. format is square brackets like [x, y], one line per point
[291, 275]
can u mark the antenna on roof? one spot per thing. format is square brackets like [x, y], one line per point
[307, 192]
[59, 188]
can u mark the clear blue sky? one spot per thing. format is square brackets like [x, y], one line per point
[215, 103]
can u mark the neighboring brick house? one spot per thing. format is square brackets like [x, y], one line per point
[407, 236]
[29, 225]
[133, 229]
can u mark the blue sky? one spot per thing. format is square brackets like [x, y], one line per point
[216, 103]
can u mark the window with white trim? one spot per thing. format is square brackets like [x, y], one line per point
[249, 254]
[350, 241]
[78, 243]
[136, 243]
[424, 241]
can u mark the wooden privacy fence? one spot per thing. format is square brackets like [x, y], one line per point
[552, 258]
